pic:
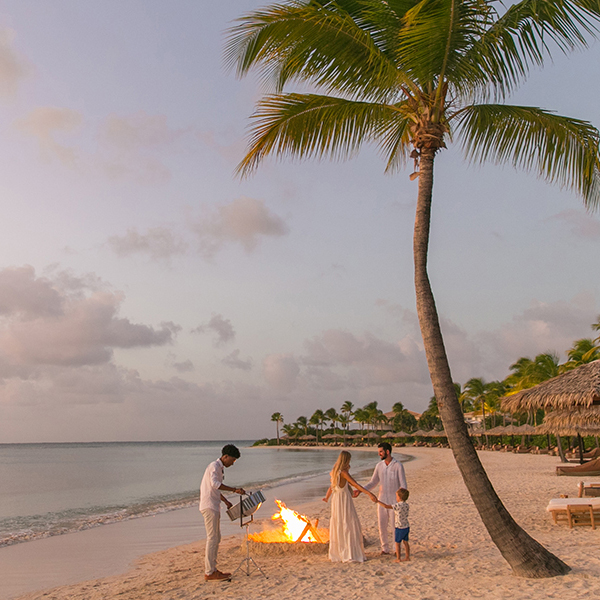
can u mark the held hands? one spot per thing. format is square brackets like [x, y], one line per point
[355, 493]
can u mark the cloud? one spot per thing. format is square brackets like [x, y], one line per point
[44, 124]
[234, 361]
[65, 322]
[140, 130]
[244, 221]
[183, 367]
[133, 142]
[376, 361]
[219, 325]
[542, 327]
[159, 243]
[580, 223]
[22, 293]
[281, 371]
[13, 68]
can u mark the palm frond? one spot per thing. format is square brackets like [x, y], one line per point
[320, 43]
[311, 125]
[519, 39]
[559, 149]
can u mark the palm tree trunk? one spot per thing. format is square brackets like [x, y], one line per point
[525, 555]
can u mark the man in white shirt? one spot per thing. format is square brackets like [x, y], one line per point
[210, 499]
[389, 475]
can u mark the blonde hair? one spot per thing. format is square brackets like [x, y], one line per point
[341, 464]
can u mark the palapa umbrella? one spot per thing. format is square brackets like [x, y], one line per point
[309, 436]
[575, 389]
[389, 435]
[578, 387]
[498, 430]
[577, 421]
[402, 434]
[420, 433]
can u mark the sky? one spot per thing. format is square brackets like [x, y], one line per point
[148, 293]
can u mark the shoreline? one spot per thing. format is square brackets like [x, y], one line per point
[452, 555]
[113, 548]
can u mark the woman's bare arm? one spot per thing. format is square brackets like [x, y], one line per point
[353, 483]
[327, 494]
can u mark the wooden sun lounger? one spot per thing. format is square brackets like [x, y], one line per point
[589, 468]
[589, 490]
[576, 511]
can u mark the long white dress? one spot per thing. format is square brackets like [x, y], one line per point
[345, 532]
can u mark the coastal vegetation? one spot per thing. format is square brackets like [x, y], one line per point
[409, 77]
[479, 399]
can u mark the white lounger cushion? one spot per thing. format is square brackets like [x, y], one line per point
[562, 503]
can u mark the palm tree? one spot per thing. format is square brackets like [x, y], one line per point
[332, 416]
[583, 351]
[344, 421]
[476, 389]
[303, 423]
[409, 75]
[277, 417]
[347, 409]
[317, 419]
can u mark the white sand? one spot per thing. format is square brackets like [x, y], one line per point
[452, 555]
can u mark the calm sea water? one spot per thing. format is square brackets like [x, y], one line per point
[49, 489]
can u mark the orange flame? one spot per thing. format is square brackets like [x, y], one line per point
[295, 528]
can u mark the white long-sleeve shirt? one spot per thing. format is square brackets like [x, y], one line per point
[389, 478]
[210, 495]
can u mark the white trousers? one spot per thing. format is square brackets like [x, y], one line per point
[385, 517]
[212, 524]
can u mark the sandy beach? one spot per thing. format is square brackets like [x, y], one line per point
[452, 555]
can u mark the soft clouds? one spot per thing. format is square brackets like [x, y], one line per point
[12, 67]
[185, 366]
[64, 322]
[544, 326]
[136, 144]
[159, 243]
[233, 361]
[281, 371]
[244, 221]
[45, 124]
[219, 325]
[375, 361]
[580, 223]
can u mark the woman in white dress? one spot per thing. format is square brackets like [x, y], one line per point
[345, 532]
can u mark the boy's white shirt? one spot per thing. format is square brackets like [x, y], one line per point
[401, 514]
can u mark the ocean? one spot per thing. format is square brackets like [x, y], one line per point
[51, 489]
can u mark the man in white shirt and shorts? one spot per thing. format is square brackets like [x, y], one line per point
[210, 507]
[389, 475]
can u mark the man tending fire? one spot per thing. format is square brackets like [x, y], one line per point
[210, 507]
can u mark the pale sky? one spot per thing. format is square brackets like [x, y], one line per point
[146, 293]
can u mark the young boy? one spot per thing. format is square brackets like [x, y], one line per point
[402, 527]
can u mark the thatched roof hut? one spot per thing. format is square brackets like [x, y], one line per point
[582, 421]
[579, 387]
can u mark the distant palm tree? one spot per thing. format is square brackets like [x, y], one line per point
[409, 76]
[303, 423]
[476, 389]
[317, 419]
[278, 419]
[583, 351]
[332, 416]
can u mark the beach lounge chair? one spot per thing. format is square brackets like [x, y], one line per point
[589, 490]
[589, 468]
[593, 453]
[522, 450]
[576, 511]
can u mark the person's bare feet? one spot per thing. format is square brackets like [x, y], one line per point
[384, 553]
[397, 560]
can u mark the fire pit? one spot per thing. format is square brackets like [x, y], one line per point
[296, 534]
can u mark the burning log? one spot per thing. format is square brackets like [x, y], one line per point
[296, 531]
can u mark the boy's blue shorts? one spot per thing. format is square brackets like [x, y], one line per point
[401, 534]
